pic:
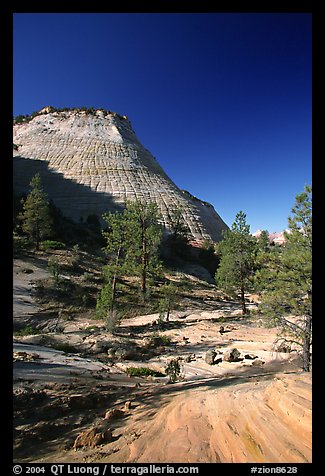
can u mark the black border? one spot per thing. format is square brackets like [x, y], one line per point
[6, 107]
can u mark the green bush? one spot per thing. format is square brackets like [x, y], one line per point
[20, 244]
[52, 245]
[104, 302]
[169, 299]
[113, 319]
[173, 370]
[143, 372]
[26, 331]
[53, 267]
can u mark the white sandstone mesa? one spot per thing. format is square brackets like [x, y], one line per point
[91, 162]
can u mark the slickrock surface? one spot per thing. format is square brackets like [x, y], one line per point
[262, 421]
[76, 407]
[91, 163]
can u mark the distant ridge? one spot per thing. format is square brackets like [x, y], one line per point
[276, 237]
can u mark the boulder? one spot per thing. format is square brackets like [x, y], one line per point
[232, 355]
[209, 357]
[258, 362]
[92, 437]
[114, 414]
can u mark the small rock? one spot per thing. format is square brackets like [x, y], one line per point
[209, 357]
[251, 356]
[221, 329]
[153, 342]
[232, 355]
[229, 328]
[93, 437]
[258, 362]
[190, 358]
[27, 270]
[127, 406]
[181, 316]
[113, 414]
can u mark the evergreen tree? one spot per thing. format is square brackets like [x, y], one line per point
[168, 300]
[177, 224]
[118, 245]
[237, 251]
[132, 240]
[263, 241]
[286, 279]
[145, 234]
[35, 216]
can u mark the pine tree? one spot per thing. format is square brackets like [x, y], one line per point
[145, 233]
[286, 279]
[35, 216]
[178, 226]
[118, 242]
[132, 241]
[168, 300]
[237, 251]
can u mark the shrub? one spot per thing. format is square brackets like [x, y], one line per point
[113, 319]
[143, 372]
[104, 302]
[173, 370]
[20, 244]
[169, 299]
[87, 277]
[52, 245]
[54, 269]
[26, 331]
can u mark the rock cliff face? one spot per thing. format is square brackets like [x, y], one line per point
[91, 162]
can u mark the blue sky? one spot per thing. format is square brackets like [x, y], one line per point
[222, 100]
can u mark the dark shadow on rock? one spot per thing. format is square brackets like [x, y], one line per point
[75, 200]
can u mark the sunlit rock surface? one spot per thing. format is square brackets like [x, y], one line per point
[92, 162]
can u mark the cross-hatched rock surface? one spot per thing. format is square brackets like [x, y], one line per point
[91, 163]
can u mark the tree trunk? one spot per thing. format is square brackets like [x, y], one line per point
[167, 314]
[144, 276]
[144, 260]
[306, 345]
[242, 295]
[243, 304]
[114, 280]
[113, 291]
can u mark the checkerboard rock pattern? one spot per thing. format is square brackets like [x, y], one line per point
[91, 163]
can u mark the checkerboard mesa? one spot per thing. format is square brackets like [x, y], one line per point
[91, 161]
